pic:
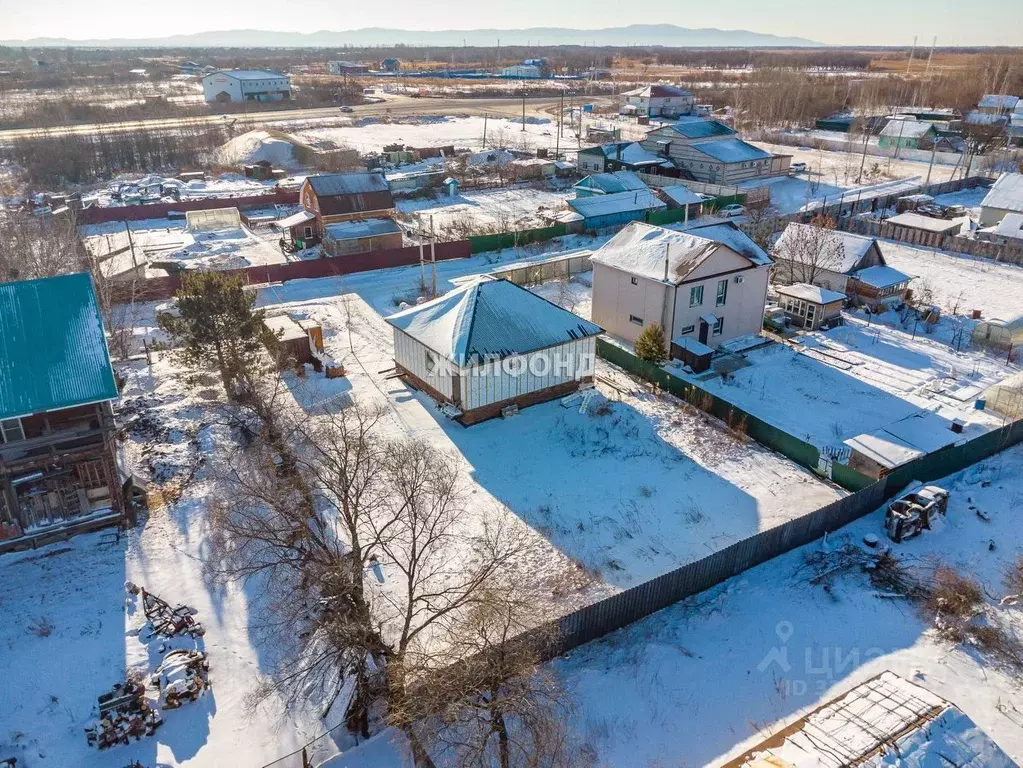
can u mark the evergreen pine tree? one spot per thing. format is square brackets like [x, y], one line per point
[650, 345]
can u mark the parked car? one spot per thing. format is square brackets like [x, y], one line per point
[798, 167]
[912, 512]
[346, 108]
[733, 210]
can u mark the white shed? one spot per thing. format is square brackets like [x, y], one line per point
[490, 344]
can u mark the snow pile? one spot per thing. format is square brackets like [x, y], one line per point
[257, 146]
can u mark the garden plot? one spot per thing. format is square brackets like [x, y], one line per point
[834, 385]
[491, 210]
[960, 283]
[624, 489]
[163, 240]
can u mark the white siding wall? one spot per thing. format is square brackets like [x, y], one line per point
[742, 312]
[616, 298]
[411, 355]
[492, 383]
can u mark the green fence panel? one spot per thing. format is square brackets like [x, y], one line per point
[849, 478]
[499, 241]
[766, 434]
[671, 216]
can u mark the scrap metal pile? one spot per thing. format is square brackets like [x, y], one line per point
[170, 622]
[124, 714]
[182, 676]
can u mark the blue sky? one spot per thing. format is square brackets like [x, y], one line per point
[861, 22]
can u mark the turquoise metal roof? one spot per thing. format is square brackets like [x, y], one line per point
[53, 353]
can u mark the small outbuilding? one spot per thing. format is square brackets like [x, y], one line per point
[616, 209]
[361, 236]
[490, 347]
[810, 306]
[608, 184]
[999, 333]
[1005, 196]
[915, 228]
[879, 287]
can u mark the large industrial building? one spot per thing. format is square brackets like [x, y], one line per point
[241, 85]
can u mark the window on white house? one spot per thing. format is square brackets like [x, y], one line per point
[635, 281]
[687, 329]
[696, 296]
[431, 362]
[719, 326]
[635, 320]
[11, 430]
[722, 296]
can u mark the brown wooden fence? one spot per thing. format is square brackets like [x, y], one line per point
[97, 215]
[159, 288]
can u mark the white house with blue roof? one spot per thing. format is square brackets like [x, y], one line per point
[490, 344]
[239, 85]
[710, 151]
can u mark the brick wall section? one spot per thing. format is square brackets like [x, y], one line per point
[96, 215]
[161, 288]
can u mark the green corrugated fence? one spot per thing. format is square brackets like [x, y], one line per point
[496, 242]
[790, 446]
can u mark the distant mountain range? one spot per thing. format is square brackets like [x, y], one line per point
[667, 35]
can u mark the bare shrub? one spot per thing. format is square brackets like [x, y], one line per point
[953, 599]
[41, 627]
[1013, 577]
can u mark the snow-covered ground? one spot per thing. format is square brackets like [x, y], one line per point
[710, 677]
[683, 470]
[500, 210]
[226, 185]
[959, 282]
[858, 377]
[163, 240]
[372, 135]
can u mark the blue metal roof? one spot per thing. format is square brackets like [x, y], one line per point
[53, 353]
[699, 128]
[731, 150]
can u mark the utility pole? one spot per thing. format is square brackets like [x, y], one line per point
[934, 149]
[433, 256]
[131, 244]
[523, 104]
[484, 130]
[912, 52]
[557, 136]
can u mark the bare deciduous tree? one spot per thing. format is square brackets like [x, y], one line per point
[806, 251]
[494, 703]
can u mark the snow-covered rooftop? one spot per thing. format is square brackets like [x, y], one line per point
[1011, 226]
[881, 276]
[489, 319]
[295, 219]
[610, 183]
[851, 247]
[813, 293]
[682, 195]
[998, 101]
[657, 91]
[907, 129]
[906, 439]
[619, 202]
[699, 128]
[667, 255]
[348, 183]
[350, 230]
[731, 150]
[1006, 193]
[928, 223]
[248, 74]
